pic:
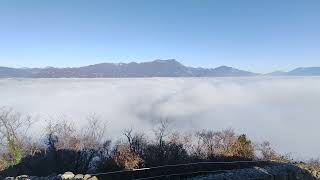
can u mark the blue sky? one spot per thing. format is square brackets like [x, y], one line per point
[256, 35]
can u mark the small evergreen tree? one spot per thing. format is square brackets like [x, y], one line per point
[245, 148]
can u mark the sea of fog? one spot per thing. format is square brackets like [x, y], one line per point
[282, 110]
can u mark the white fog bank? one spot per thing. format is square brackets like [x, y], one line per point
[282, 110]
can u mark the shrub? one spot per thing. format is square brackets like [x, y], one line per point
[127, 159]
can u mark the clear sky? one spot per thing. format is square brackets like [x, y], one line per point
[256, 35]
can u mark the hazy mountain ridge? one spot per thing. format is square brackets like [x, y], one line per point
[301, 71]
[305, 71]
[156, 68]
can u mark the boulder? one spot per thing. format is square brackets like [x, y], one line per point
[78, 176]
[9, 178]
[93, 178]
[67, 175]
[86, 177]
[22, 177]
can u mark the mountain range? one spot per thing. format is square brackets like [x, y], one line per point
[156, 68]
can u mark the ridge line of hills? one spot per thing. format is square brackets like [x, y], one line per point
[156, 68]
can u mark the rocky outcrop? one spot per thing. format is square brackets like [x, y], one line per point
[275, 172]
[65, 176]
[297, 171]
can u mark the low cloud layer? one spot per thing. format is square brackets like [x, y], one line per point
[283, 110]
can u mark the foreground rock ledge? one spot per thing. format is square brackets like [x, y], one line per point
[272, 172]
[66, 175]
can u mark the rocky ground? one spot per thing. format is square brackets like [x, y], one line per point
[66, 175]
[275, 172]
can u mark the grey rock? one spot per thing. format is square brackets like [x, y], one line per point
[35, 178]
[93, 178]
[67, 175]
[268, 173]
[9, 178]
[78, 176]
[23, 177]
[87, 176]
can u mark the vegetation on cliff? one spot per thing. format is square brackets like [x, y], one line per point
[63, 147]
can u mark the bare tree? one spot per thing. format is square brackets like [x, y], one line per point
[226, 142]
[184, 139]
[266, 150]
[205, 143]
[136, 141]
[94, 148]
[128, 134]
[92, 135]
[63, 135]
[161, 131]
[33, 146]
[13, 129]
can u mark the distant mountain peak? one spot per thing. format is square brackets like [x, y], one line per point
[49, 67]
[224, 68]
[305, 71]
[165, 60]
[300, 71]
